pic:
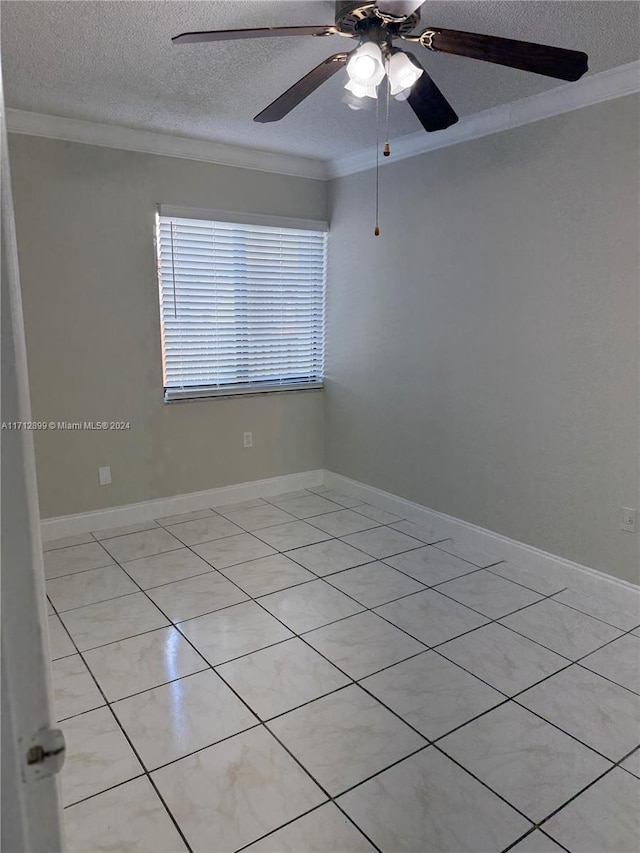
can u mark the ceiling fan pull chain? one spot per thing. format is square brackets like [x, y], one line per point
[387, 150]
[376, 230]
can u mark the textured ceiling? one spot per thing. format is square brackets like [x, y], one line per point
[114, 62]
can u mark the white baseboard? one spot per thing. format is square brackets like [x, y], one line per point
[504, 548]
[101, 519]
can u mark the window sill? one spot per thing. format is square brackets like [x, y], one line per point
[190, 396]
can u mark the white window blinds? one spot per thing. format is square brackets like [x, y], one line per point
[242, 307]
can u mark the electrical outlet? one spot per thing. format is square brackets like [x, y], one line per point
[628, 519]
[248, 439]
[105, 475]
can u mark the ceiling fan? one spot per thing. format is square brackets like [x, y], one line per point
[377, 26]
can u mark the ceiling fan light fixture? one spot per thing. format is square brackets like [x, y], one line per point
[402, 71]
[365, 66]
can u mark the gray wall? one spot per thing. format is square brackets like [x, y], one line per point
[85, 220]
[483, 351]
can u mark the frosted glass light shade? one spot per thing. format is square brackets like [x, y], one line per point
[402, 72]
[365, 65]
[362, 90]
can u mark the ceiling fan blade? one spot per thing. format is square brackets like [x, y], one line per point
[261, 32]
[398, 8]
[537, 58]
[302, 89]
[429, 104]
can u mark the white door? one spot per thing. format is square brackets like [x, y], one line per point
[32, 748]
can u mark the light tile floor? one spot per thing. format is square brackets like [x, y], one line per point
[310, 674]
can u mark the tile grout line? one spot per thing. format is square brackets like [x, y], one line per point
[540, 824]
[597, 618]
[82, 571]
[517, 582]
[536, 824]
[606, 677]
[101, 601]
[311, 811]
[527, 835]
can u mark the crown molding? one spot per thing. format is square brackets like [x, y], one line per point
[168, 145]
[605, 86]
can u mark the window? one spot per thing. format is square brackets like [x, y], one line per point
[241, 305]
